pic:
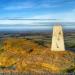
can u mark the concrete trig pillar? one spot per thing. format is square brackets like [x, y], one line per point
[57, 39]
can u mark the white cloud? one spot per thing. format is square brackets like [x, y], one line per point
[22, 22]
[68, 16]
[60, 17]
[41, 17]
[45, 19]
[15, 22]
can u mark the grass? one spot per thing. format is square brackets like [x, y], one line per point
[27, 55]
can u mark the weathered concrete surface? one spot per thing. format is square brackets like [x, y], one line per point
[57, 39]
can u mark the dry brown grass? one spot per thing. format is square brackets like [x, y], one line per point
[27, 55]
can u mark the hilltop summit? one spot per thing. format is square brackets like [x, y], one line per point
[27, 55]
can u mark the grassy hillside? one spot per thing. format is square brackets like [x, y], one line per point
[28, 55]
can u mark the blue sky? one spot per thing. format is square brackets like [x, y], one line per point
[60, 10]
[53, 9]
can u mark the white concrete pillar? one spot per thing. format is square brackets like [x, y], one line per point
[57, 39]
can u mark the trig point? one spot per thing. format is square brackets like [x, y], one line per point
[57, 39]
